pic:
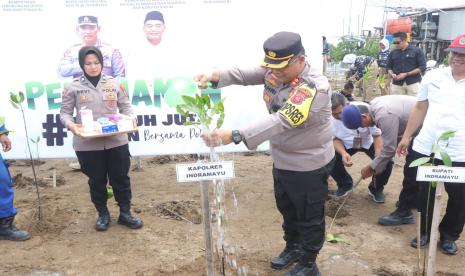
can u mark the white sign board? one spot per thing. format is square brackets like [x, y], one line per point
[441, 174]
[205, 171]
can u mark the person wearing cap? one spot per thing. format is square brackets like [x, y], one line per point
[347, 142]
[384, 79]
[8, 230]
[102, 159]
[440, 107]
[297, 97]
[88, 29]
[365, 71]
[405, 64]
[390, 114]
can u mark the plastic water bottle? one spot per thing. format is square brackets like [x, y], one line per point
[87, 119]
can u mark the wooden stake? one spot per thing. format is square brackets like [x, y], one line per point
[419, 240]
[54, 178]
[433, 243]
[207, 231]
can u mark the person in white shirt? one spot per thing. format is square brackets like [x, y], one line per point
[441, 107]
[347, 142]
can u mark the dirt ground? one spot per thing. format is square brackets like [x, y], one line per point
[171, 241]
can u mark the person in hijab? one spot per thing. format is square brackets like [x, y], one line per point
[384, 79]
[103, 159]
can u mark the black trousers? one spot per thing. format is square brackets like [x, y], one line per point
[454, 219]
[103, 166]
[300, 198]
[343, 178]
[409, 195]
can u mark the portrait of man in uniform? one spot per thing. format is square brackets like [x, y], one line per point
[88, 30]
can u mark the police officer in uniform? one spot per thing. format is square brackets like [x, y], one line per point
[8, 231]
[297, 97]
[104, 159]
[88, 28]
[390, 114]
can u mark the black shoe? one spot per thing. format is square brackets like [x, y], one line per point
[424, 240]
[103, 221]
[397, 217]
[343, 191]
[377, 195]
[308, 269]
[8, 231]
[125, 218]
[290, 255]
[448, 247]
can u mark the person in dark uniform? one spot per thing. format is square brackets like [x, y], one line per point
[8, 231]
[297, 97]
[103, 159]
[347, 91]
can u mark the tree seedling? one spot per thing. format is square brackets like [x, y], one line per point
[16, 100]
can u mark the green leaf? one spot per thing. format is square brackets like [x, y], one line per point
[434, 184]
[436, 149]
[180, 110]
[189, 100]
[38, 139]
[21, 97]
[446, 158]
[188, 123]
[220, 121]
[419, 162]
[14, 98]
[15, 105]
[446, 135]
[333, 238]
[2, 121]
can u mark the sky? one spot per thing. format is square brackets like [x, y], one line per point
[338, 19]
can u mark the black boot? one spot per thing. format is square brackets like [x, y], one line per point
[288, 256]
[306, 266]
[125, 218]
[103, 220]
[8, 231]
[398, 217]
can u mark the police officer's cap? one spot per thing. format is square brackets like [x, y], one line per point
[154, 15]
[87, 20]
[351, 117]
[281, 48]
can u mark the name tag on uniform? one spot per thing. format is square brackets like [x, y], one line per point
[357, 142]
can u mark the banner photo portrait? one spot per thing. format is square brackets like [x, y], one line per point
[154, 48]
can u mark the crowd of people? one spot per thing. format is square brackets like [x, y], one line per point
[313, 132]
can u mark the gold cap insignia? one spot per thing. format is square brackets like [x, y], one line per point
[272, 54]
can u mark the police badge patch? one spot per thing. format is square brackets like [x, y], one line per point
[297, 107]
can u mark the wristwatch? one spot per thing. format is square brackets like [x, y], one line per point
[236, 136]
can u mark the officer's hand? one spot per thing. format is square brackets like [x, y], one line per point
[402, 147]
[6, 144]
[347, 160]
[401, 76]
[367, 171]
[74, 128]
[217, 137]
[134, 123]
[203, 79]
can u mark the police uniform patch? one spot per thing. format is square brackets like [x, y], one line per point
[297, 106]
[107, 85]
[109, 96]
[64, 92]
[123, 90]
[266, 97]
[83, 98]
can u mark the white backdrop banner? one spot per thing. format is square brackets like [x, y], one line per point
[38, 56]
